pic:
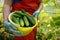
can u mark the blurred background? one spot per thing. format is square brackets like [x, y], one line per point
[49, 22]
[1, 1]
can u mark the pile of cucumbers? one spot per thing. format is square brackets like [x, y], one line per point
[23, 19]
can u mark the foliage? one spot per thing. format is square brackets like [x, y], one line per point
[49, 21]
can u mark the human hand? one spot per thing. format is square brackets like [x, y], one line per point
[36, 13]
[12, 28]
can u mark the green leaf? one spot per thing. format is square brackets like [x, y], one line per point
[50, 36]
[46, 1]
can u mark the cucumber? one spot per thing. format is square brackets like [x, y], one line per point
[19, 13]
[21, 22]
[23, 11]
[16, 15]
[18, 20]
[26, 21]
[15, 20]
[30, 18]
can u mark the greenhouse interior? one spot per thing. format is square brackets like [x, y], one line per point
[48, 22]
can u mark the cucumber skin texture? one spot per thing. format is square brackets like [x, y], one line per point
[21, 22]
[26, 21]
[18, 20]
[31, 18]
[23, 11]
[16, 15]
[20, 13]
[15, 20]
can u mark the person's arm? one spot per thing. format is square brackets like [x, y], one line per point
[8, 25]
[40, 6]
[6, 8]
[36, 13]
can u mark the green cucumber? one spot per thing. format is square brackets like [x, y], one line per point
[20, 13]
[18, 20]
[21, 22]
[16, 15]
[31, 18]
[15, 20]
[26, 21]
[23, 11]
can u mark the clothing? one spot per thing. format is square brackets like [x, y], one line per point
[30, 6]
[30, 36]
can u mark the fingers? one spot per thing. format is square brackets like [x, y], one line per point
[6, 24]
[17, 33]
[34, 14]
[12, 28]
